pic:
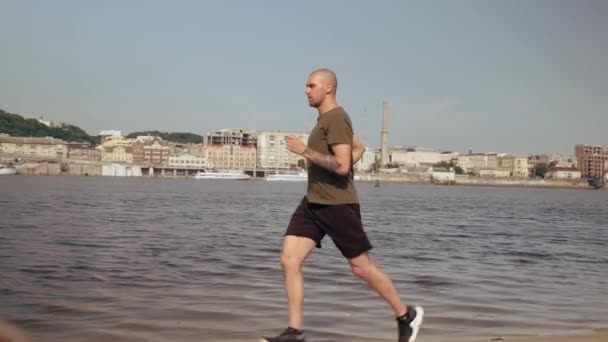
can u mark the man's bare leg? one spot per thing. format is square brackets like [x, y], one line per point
[365, 269]
[409, 318]
[295, 250]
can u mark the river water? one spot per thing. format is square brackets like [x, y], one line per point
[141, 259]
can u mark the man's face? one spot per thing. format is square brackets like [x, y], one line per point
[316, 90]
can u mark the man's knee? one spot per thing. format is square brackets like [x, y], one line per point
[290, 262]
[294, 252]
[361, 266]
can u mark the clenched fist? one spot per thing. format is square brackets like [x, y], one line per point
[295, 145]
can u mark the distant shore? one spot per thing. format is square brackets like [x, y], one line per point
[383, 182]
[465, 180]
[495, 184]
[383, 179]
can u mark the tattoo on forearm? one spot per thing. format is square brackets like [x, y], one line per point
[326, 161]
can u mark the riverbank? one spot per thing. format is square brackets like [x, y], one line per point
[466, 180]
[383, 179]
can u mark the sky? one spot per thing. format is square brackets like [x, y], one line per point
[513, 76]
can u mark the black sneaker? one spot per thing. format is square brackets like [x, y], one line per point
[409, 324]
[288, 335]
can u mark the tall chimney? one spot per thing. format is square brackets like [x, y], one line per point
[384, 135]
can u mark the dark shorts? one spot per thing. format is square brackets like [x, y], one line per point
[342, 222]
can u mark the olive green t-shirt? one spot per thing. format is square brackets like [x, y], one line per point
[324, 186]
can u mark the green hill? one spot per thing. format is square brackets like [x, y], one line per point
[18, 126]
[183, 138]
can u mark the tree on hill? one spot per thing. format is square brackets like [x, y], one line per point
[18, 126]
[177, 137]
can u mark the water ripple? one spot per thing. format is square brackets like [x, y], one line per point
[102, 259]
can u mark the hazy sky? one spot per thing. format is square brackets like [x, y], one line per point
[501, 76]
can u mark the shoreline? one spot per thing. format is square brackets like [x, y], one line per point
[385, 181]
[10, 332]
[490, 185]
[595, 335]
[82, 169]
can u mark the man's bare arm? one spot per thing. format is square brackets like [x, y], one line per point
[338, 163]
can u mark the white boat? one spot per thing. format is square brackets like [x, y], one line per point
[288, 177]
[221, 175]
[5, 170]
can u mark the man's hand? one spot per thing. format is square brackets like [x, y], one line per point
[295, 145]
[339, 163]
[358, 149]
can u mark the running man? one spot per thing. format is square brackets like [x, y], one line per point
[331, 207]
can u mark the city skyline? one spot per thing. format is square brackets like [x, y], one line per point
[374, 146]
[508, 77]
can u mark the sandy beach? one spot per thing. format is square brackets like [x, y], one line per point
[597, 335]
[11, 333]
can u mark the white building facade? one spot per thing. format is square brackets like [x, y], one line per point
[187, 161]
[272, 150]
[563, 173]
[367, 160]
[416, 157]
[475, 161]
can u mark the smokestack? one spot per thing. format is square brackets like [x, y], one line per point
[384, 135]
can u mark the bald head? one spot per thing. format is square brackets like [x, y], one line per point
[321, 89]
[327, 77]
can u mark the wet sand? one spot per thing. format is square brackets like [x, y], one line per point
[11, 333]
[589, 338]
[599, 335]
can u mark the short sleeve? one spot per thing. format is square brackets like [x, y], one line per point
[340, 130]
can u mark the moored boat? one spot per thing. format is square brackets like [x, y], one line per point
[5, 170]
[287, 177]
[221, 175]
